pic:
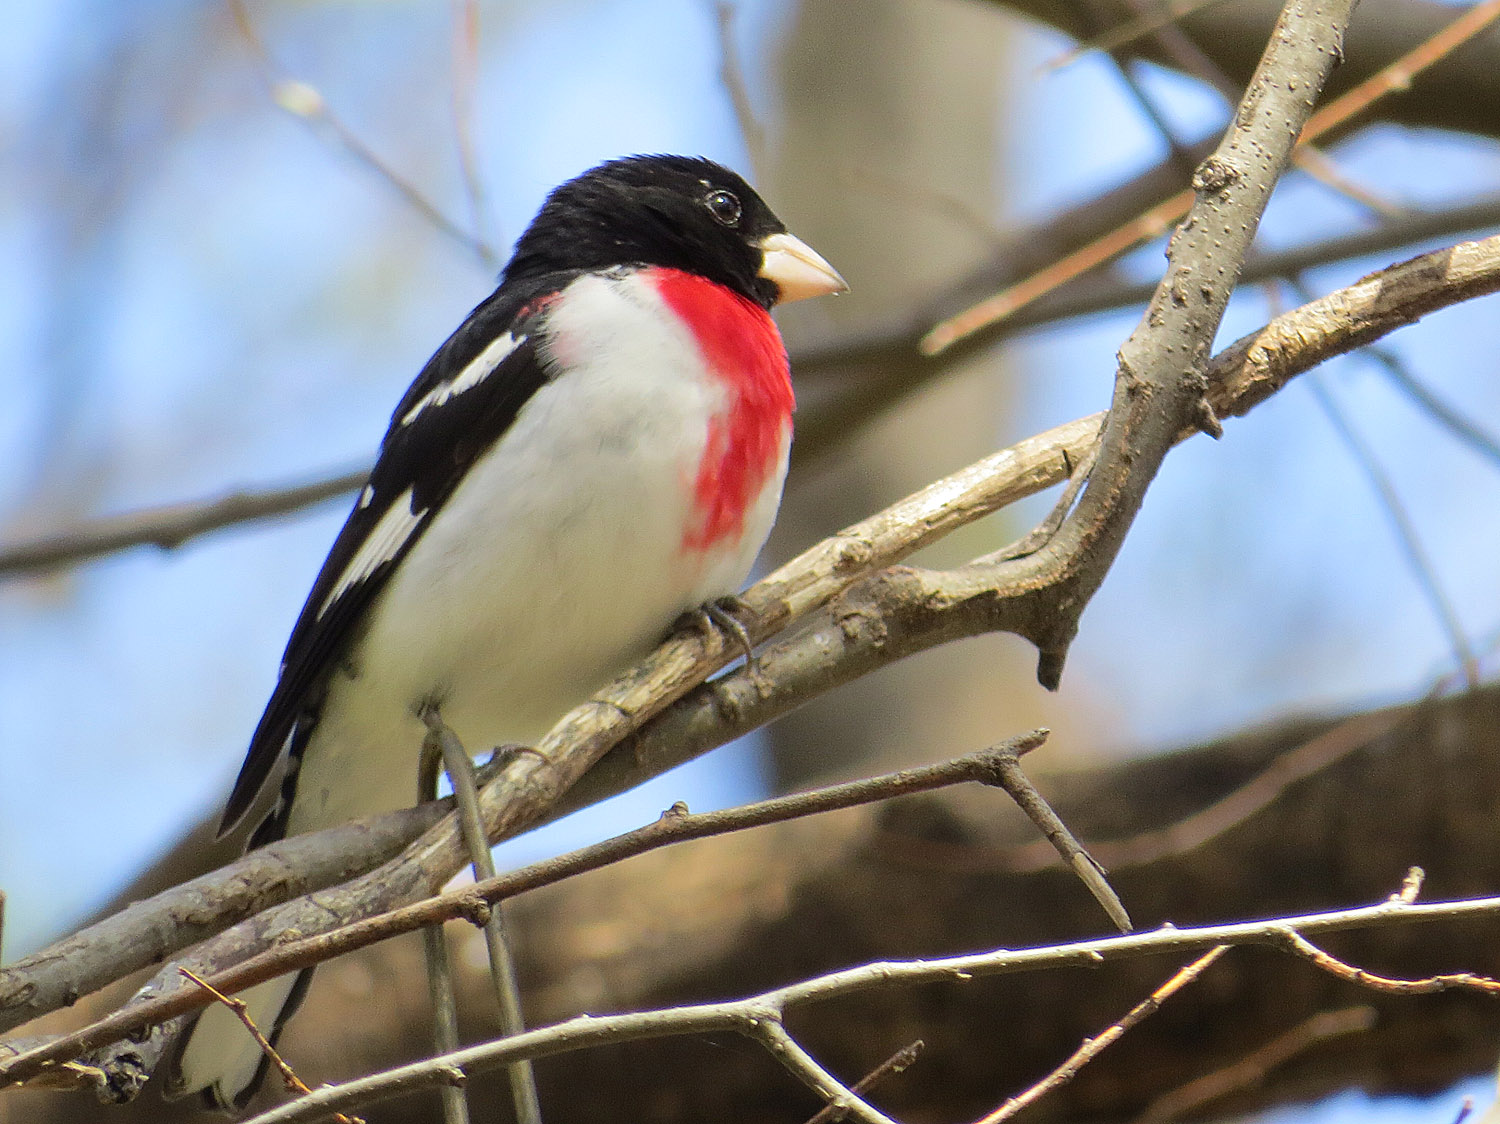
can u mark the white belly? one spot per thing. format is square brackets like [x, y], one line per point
[555, 565]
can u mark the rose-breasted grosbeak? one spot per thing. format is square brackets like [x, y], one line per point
[599, 448]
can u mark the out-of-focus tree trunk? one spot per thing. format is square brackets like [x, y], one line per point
[901, 106]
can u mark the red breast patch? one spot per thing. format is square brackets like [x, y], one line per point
[741, 345]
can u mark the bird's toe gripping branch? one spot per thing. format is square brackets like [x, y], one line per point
[720, 615]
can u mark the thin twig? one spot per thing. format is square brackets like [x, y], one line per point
[898, 1062]
[1427, 985]
[303, 100]
[1042, 533]
[745, 1016]
[1155, 221]
[772, 1034]
[1453, 420]
[465, 82]
[1093, 1047]
[148, 932]
[1398, 75]
[536, 1043]
[288, 1074]
[1148, 108]
[1252, 1069]
[1127, 31]
[460, 767]
[732, 78]
[472, 902]
[1402, 524]
[435, 957]
[1150, 224]
[1296, 764]
[1185, 54]
[170, 525]
[1013, 779]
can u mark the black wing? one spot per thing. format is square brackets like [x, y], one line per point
[464, 399]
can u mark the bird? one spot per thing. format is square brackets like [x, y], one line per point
[598, 450]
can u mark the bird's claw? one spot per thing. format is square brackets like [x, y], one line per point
[718, 616]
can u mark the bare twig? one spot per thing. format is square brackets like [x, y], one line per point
[1252, 1069]
[1200, 827]
[1155, 221]
[1127, 31]
[175, 524]
[304, 101]
[1160, 382]
[746, 1016]
[1251, 371]
[444, 1019]
[460, 769]
[1245, 374]
[901, 1060]
[1454, 421]
[438, 964]
[288, 1074]
[768, 1029]
[1013, 779]
[1178, 46]
[990, 311]
[1421, 565]
[1428, 985]
[1092, 1047]
[732, 78]
[1399, 74]
[465, 80]
[170, 525]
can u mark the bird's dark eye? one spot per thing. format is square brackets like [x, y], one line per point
[724, 206]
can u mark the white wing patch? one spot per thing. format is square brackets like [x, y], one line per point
[383, 543]
[479, 369]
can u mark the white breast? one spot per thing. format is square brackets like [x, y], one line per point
[556, 564]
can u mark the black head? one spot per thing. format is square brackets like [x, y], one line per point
[680, 212]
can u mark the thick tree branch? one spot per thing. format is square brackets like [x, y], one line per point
[1160, 385]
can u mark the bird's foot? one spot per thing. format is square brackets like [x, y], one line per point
[501, 757]
[718, 616]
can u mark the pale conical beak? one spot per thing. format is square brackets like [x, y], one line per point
[797, 270]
